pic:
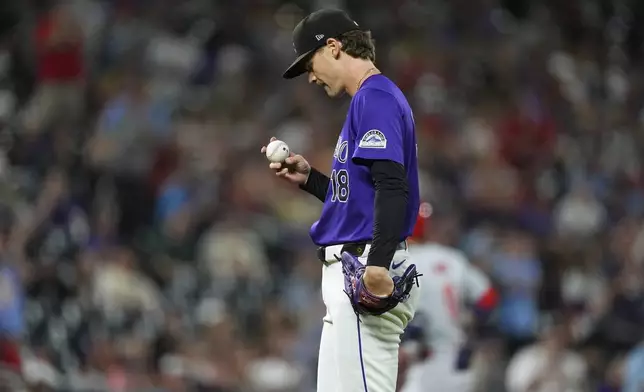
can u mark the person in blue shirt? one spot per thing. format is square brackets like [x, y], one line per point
[634, 370]
[371, 200]
[11, 299]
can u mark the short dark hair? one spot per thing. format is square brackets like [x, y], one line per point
[358, 44]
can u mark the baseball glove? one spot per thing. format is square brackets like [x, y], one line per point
[362, 300]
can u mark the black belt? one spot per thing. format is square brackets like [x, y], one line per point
[355, 248]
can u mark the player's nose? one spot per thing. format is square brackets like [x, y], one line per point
[312, 77]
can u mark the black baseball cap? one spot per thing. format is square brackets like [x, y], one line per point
[311, 34]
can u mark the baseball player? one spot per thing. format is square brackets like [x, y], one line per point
[450, 283]
[371, 199]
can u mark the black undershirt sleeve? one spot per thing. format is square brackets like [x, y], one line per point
[392, 191]
[317, 184]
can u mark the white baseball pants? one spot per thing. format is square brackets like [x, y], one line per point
[360, 354]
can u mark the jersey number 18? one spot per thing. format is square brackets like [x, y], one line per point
[340, 186]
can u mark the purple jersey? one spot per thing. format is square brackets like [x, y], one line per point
[379, 126]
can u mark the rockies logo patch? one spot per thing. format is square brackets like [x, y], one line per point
[373, 139]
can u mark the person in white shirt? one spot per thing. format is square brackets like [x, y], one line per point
[548, 365]
[451, 287]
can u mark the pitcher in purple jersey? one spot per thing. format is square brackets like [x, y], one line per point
[371, 199]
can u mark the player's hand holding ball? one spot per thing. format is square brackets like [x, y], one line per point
[287, 165]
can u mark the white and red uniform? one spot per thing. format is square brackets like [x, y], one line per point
[450, 283]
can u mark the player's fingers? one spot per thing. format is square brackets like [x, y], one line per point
[291, 177]
[275, 165]
[282, 173]
[263, 150]
[293, 159]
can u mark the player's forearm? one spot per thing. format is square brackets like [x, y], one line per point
[317, 184]
[389, 216]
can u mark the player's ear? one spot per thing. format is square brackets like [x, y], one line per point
[334, 46]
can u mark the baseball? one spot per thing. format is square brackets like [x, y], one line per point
[277, 151]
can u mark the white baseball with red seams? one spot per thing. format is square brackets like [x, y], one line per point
[277, 151]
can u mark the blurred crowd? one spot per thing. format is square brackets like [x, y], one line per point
[146, 246]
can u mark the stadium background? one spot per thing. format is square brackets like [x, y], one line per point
[157, 252]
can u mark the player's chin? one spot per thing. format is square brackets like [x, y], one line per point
[333, 93]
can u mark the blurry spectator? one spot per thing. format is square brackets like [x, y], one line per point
[548, 365]
[60, 71]
[622, 326]
[41, 375]
[125, 36]
[614, 376]
[171, 242]
[174, 197]
[11, 308]
[619, 155]
[527, 136]
[637, 251]
[274, 374]
[8, 101]
[633, 374]
[301, 289]
[579, 214]
[229, 251]
[62, 226]
[275, 368]
[13, 328]
[171, 58]
[132, 126]
[118, 286]
[479, 139]
[12, 325]
[585, 292]
[492, 187]
[103, 226]
[517, 269]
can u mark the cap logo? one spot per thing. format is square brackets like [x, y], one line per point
[319, 36]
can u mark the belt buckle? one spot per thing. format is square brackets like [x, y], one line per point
[356, 249]
[360, 250]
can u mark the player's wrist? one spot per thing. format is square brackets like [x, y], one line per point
[377, 281]
[308, 175]
[316, 184]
